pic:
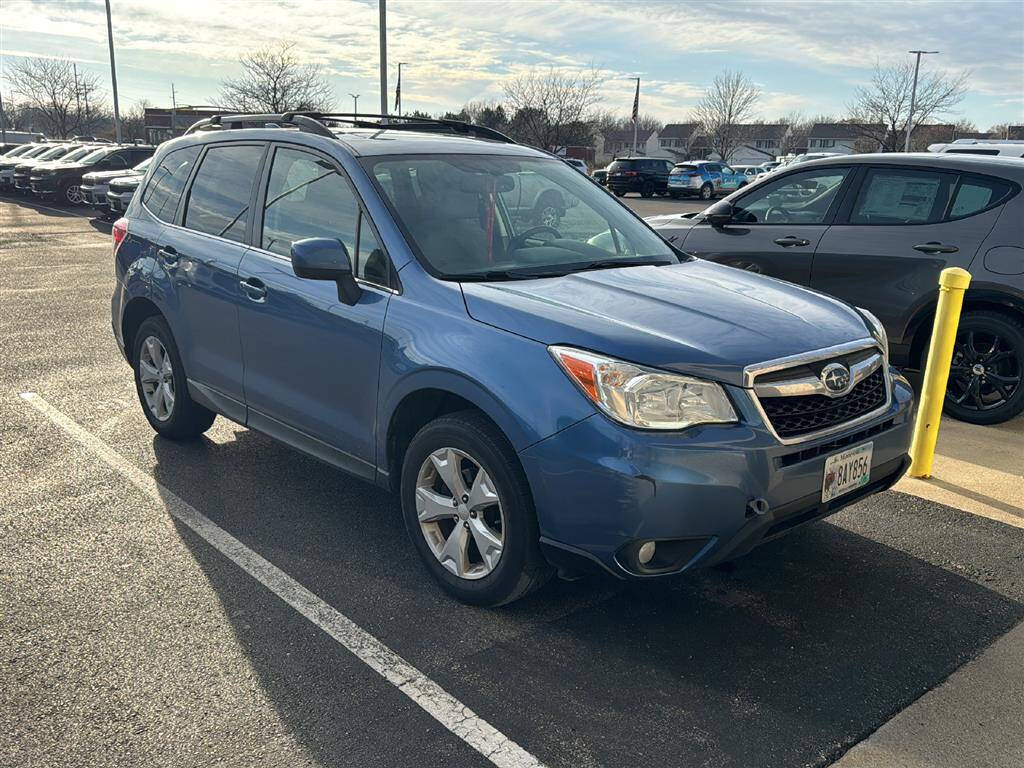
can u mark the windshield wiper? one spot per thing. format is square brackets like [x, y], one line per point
[557, 270]
[499, 274]
[616, 263]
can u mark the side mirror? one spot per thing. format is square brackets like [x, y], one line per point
[324, 258]
[719, 214]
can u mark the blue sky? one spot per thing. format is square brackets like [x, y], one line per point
[806, 56]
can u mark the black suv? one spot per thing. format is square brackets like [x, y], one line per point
[646, 175]
[876, 230]
[63, 181]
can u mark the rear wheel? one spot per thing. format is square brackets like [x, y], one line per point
[620, 193]
[469, 512]
[985, 376]
[707, 192]
[161, 384]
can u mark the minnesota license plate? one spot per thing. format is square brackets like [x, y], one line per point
[846, 471]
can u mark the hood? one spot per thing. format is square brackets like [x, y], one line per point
[673, 226]
[698, 317]
[126, 182]
[106, 176]
[75, 167]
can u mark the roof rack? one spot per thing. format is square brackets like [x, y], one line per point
[315, 122]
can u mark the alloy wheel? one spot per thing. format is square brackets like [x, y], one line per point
[73, 194]
[157, 376]
[460, 513]
[985, 371]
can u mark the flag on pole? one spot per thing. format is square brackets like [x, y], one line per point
[636, 102]
[398, 89]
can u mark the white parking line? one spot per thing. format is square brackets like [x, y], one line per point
[442, 706]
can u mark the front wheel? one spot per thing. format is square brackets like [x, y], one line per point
[707, 192]
[70, 193]
[985, 375]
[469, 511]
[647, 190]
[161, 384]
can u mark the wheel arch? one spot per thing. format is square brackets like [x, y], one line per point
[423, 398]
[135, 313]
[984, 297]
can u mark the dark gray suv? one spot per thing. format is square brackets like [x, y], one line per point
[876, 230]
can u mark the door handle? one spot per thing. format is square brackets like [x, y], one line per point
[168, 256]
[789, 242]
[934, 247]
[255, 289]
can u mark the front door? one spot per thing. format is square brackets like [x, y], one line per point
[776, 226]
[312, 361]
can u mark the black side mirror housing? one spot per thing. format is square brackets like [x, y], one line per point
[324, 258]
[719, 214]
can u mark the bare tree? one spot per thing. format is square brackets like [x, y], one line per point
[605, 120]
[50, 91]
[549, 107]
[133, 122]
[274, 80]
[881, 110]
[724, 108]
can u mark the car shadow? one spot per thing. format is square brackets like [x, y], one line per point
[788, 657]
[43, 208]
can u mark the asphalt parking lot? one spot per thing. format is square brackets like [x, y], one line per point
[130, 638]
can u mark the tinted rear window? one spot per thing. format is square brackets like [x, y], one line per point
[218, 203]
[976, 194]
[168, 180]
[624, 165]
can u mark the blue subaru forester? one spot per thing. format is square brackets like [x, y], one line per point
[544, 393]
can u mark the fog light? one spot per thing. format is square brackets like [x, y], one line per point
[646, 552]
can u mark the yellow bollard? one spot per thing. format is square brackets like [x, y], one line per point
[953, 283]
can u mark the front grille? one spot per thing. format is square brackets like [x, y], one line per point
[803, 414]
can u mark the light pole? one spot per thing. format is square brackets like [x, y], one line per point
[382, 4]
[913, 98]
[355, 104]
[113, 76]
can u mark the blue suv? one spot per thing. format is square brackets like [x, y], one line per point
[543, 396]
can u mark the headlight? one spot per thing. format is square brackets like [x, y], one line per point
[877, 330]
[644, 397]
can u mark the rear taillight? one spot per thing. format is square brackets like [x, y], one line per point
[630, 173]
[120, 232]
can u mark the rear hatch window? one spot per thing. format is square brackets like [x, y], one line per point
[624, 165]
[684, 170]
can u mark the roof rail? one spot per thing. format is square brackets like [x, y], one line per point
[314, 122]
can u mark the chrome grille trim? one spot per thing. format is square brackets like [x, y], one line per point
[864, 369]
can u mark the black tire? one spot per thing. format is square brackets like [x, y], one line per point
[647, 190]
[676, 195]
[521, 568]
[620, 193]
[995, 341]
[68, 194]
[707, 192]
[187, 419]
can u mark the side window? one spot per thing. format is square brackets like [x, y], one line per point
[976, 194]
[899, 196]
[218, 202]
[167, 181]
[117, 161]
[307, 197]
[371, 263]
[799, 198]
[727, 169]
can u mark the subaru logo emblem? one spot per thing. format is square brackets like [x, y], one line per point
[835, 377]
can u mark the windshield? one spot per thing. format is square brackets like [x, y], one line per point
[96, 154]
[493, 217]
[75, 154]
[53, 153]
[19, 150]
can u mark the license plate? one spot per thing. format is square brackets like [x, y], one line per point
[846, 471]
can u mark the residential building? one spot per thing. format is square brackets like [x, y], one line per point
[842, 138]
[619, 143]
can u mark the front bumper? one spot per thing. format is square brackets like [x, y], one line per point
[7, 178]
[95, 195]
[118, 201]
[22, 183]
[44, 185]
[712, 492]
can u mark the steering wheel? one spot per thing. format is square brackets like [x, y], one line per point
[531, 234]
[776, 214]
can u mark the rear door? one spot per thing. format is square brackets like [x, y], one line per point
[311, 361]
[200, 253]
[903, 227]
[776, 225]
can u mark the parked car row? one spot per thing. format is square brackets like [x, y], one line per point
[875, 230]
[651, 176]
[76, 172]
